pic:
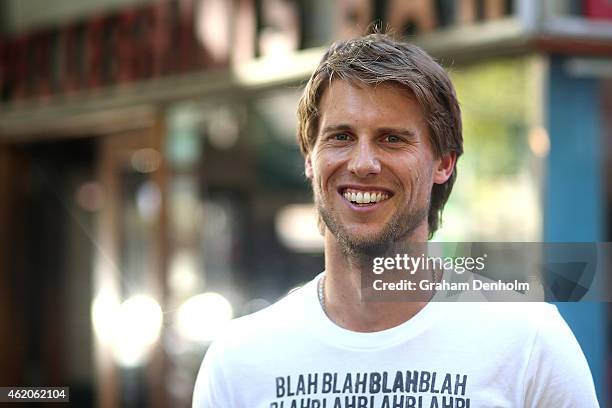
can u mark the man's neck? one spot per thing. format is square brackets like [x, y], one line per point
[344, 303]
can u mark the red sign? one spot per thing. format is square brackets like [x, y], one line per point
[172, 37]
[134, 44]
[598, 9]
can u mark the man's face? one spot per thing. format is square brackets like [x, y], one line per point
[372, 167]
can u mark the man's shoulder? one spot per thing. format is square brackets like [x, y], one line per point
[519, 312]
[281, 318]
[506, 319]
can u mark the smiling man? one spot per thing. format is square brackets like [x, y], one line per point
[380, 130]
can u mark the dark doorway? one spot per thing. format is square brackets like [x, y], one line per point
[47, 267]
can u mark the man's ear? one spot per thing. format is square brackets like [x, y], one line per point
[445, 167]
[308, 167]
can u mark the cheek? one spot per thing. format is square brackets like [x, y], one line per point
[420, 179]
[325, 167]
[425, 182]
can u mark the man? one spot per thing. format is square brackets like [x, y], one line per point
[380, 129]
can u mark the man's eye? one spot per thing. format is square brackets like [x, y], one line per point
[341, 137]
[393, 139]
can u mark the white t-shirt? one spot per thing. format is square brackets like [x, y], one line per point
[290, 355]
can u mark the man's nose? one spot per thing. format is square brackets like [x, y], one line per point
[364, 160]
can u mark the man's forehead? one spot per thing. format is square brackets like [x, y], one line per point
[385, 86]
[347, 97]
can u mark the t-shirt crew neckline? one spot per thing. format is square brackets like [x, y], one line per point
[331, 333]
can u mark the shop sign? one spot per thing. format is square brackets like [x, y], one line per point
[173, 37]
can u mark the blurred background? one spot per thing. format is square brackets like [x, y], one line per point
[151, 187]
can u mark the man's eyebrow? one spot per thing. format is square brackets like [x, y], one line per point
[335, 128]
[344, 127]
[398, 131]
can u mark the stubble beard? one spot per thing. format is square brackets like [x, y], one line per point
[401, 226]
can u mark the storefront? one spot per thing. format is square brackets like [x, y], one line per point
[149, 161]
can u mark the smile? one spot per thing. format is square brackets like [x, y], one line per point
[361, 197]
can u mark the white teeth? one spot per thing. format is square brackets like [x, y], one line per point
[365, 197]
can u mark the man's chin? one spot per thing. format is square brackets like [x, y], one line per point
[376, 241]
[371, 239]
[368, 245]
[366, 234]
